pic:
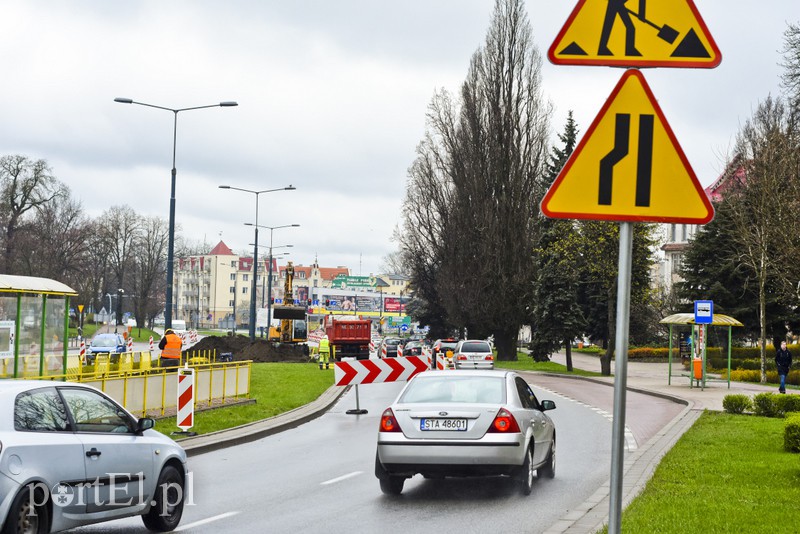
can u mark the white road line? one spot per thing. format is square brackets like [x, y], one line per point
[205, 521]
[339, 479]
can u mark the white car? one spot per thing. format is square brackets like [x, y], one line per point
[473, 354]
[71, 456]
[465, 423]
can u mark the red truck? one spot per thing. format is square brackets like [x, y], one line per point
[349, 337]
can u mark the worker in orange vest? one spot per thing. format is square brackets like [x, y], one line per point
[170, 346]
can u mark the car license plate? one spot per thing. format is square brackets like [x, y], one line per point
[475, 357]
[443, 424]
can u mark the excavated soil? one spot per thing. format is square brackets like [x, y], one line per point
[259, 350]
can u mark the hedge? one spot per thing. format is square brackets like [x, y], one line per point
[791, 433]
[742, 375]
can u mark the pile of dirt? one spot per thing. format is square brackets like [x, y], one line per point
[259, 350]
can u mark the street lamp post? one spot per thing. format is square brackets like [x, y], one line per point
[269, 279]
[255, 251]
[263, 283]
[171, 239]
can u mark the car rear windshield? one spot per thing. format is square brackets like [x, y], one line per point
[462, 389]
[392, 341]
[476, 346]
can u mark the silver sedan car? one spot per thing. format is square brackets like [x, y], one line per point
[465, 423]
[71, 456]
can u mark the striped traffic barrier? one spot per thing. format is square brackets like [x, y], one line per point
[185, 416]
[130, 344]
[151, 343]
[83, 351]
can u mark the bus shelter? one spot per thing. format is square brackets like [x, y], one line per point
[34, 322]
[687, 319]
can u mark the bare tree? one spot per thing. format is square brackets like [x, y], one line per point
[473, 192]
[791, 74]
[765, 206]
[148, 282]
[25, 185]
[118, 230]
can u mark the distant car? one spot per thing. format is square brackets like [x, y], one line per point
[72, 456]
[105, 344]
[388, 347]
[465, 423]
[473, 354]
[445, 347]
[412, 348]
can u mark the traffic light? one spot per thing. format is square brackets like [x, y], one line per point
[327, 302]
[308, 303]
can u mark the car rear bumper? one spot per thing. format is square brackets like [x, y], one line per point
[474, 364]
[453, 458]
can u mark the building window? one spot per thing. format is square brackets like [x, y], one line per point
[233, 276]
[244, 290]
[672, 233]
[230, 303]
[233, 289]
[677, 261]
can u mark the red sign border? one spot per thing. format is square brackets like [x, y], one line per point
[633, 62]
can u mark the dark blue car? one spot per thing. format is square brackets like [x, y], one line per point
[105, 344]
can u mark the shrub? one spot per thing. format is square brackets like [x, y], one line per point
[764, 405]
[791, 433]
[737, 404]
[785, 404]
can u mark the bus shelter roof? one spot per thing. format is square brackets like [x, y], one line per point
[688, 318]
[10, 283]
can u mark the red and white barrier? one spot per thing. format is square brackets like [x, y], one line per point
[151, 343]
[185, 418]
[83, 351]
[377, 371]
[130, 344]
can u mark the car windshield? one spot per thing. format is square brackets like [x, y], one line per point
[105, 341]
[475, 346]
[461, 389]
[392, 341]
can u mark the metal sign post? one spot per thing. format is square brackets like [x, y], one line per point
[620, 374]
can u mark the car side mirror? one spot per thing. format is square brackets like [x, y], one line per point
[548, 405]
[145, 423]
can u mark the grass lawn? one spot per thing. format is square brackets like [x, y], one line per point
[526, 363]
[728, 473]
[276, 388]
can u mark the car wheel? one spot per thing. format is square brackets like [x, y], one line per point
[392, 485]
[549, 469]
[167, 506]
[26, 516]
[526, 472]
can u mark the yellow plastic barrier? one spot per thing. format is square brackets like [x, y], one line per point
[145, 361]
[102, 364]
[126, 363]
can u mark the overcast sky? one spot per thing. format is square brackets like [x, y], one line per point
[332, 99]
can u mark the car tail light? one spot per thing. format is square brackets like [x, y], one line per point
[461, 357]
[388, 422]
[489, 358]
[504, 423]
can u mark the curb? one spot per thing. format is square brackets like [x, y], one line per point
[253, 431]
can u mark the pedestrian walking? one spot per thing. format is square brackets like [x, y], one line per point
[783, 360]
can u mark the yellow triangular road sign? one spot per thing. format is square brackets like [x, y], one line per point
[629, 166]
[635, 33]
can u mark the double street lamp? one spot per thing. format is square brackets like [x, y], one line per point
[255, 251]
[269, 280]
[171, 245]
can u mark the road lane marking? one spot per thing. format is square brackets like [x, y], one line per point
[206, 521]
[339, 479]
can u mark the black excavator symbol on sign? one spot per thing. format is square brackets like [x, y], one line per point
[689, 47]
[644, 161]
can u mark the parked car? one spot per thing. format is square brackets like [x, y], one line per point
[105, 344]
[412, 348]
[388, 347]
[445, 347]
[72, 456]
[473, 354]
[465, 423]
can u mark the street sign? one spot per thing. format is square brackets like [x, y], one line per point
[404, 328]
[670, 33]
[629, 166]
[343, 281]
[703, 311]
